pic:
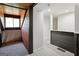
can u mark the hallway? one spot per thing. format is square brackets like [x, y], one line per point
[50, 50]
[17, 49]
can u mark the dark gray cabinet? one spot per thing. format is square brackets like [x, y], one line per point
[64, 40]
[0, 39]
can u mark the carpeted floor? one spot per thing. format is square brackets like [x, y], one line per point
[17, 49]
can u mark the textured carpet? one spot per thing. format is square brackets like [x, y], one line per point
[14, 50]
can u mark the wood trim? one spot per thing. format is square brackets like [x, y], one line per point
[13, 28]
[12, 16]
[24, 18]
[10, 42]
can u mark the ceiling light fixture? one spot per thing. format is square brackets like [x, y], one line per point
[66, 11]
[49, 10]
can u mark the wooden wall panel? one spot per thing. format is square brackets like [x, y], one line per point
[25, 38]
[11, 35]
[22, 12]
[1, 10]
[24, 4]
[11, 10]
[25, 32]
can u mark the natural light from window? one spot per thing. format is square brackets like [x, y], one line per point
[12, 22]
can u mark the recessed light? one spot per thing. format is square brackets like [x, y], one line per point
[66, 10]
[49, 10]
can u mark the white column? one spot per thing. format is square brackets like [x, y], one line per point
[51, 21]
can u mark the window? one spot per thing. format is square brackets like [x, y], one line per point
[12, 22]
[16, 22]
[9, 22]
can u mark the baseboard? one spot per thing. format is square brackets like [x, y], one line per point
[37, 49]
[10, 42]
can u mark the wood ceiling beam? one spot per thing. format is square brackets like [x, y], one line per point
[34, 4]
[14, 6]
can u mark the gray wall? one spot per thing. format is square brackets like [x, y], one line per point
[37, 29]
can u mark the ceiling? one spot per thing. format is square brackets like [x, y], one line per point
[24, 5]
[55, 8]
[21, 5]
[12, 10]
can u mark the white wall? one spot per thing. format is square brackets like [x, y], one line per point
[51, 21]
[46, 28]
[77, 19]
[66, 22]
[37, 29]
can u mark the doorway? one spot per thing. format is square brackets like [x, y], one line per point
[17, 24]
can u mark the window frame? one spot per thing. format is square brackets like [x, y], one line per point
[12, 16]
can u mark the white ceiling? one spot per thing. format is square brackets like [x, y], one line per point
[56, 8]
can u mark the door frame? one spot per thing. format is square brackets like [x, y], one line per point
[30, 49]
